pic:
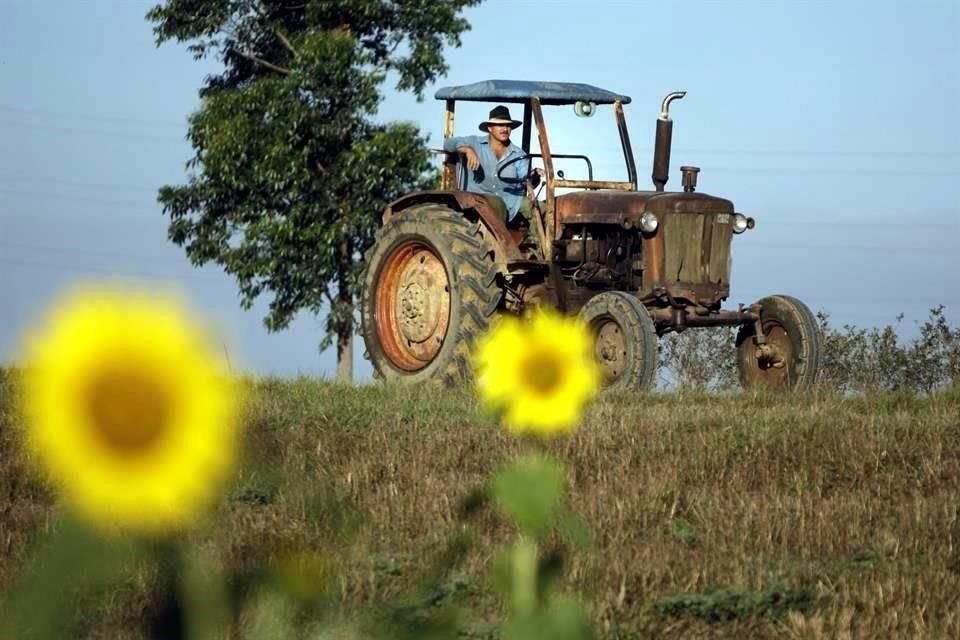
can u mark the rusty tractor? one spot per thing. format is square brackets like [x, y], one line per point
[633, 264]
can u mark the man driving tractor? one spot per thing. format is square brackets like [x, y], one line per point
[504, 187]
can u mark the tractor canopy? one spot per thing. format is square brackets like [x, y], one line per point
[554, 93]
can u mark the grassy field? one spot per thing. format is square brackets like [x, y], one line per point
[810, 516]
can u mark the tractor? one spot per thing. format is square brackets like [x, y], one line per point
[634, 265]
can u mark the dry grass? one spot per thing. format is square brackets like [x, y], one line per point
[734, 516]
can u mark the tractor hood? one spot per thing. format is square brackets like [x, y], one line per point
[624, 208]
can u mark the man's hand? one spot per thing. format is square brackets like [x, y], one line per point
[535, 176]
[533, 181]
[473, 162]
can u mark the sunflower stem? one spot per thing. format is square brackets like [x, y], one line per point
[202, 590]
[524, 562]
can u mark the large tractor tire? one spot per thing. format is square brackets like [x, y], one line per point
[626, 340]
[792, 355]
[429, 292]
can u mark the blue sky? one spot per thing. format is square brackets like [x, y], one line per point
[834, 124]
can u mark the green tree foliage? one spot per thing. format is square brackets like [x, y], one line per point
[699, 360]
[874, 360]
[290, 170]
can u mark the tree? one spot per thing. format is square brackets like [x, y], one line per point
[290, 171]
[700, 359]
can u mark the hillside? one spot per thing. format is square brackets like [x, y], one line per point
[713, 516]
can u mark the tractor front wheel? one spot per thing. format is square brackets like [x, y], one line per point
[625, 340]
[429, 292]
[790, 356]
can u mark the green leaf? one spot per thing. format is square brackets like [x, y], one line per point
[530, 492]
[70, 559]
[561, 619]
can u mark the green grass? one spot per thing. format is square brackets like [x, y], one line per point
[713, 516]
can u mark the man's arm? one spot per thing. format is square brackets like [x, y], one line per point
[463, 144]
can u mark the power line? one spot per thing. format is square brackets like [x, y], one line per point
[84, 251]
[92, 117]
[767, 246]
[72, 197]
[831, 222]
[93, 269]
[139, 208]
[97, 132]
[764, 220]
[788, 172]
[878, 153]
[589, 148]
[859, 300]
[9, 177]
[752, 247]
[827, 305]
[866, 223]
[824, 152]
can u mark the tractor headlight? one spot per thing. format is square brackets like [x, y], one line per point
[740, 223]
[648, 222]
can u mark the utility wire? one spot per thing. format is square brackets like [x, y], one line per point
[98, 132]
[823, 152]
[16, 179]
[92, 117]
[757, 247]
[865, 223]
[786, 173]
[939, 250]
[75, 197]
[17, 262]
[766, 220]
[878, 153]
[85, 251]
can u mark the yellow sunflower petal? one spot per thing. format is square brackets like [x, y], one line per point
[128, 410]
[540, 372]
[496, 361]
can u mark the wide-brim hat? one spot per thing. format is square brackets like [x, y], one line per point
[500, 115]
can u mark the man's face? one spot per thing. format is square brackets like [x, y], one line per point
[500, 132]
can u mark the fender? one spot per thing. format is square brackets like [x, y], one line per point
[470, 204]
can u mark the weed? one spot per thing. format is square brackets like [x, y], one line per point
[722, 605]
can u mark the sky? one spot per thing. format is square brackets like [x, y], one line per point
[833, 123]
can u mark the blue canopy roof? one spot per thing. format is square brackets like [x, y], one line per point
[523, 90]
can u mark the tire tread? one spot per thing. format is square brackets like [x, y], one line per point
[475, 278]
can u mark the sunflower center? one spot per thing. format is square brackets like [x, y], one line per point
[128, 409]
[542, 372]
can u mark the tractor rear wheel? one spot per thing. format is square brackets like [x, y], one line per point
[791, 356]
[626, 340]
[429, 292]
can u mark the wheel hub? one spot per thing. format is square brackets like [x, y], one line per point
[418, 299]
[769, 356]
[415, 296]
[611, 349]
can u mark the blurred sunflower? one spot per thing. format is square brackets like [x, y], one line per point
[539, 372]
[128, 411]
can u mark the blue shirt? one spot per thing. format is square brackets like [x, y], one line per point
[484, 179]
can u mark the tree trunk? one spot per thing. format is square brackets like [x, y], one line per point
[345, 301]
[345, 356]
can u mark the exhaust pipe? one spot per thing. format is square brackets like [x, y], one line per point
[661, 148]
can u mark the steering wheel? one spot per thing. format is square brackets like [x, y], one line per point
[512, 162]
